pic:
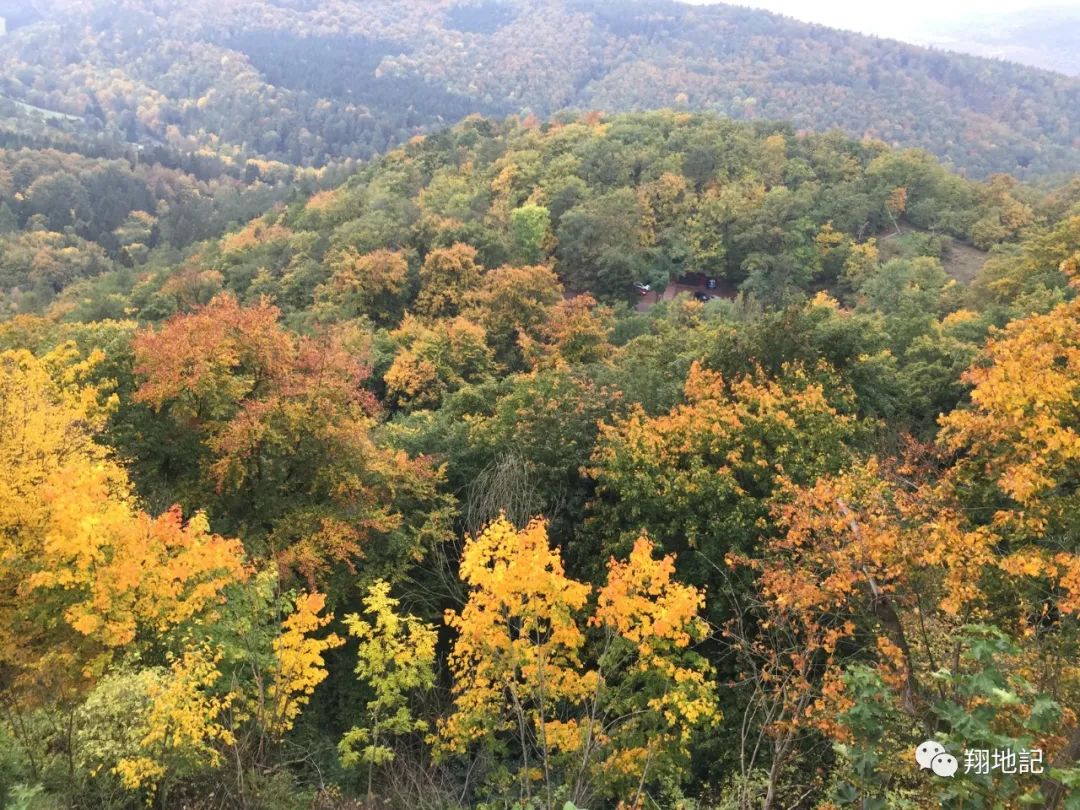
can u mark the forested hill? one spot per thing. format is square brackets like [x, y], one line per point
[385, 499]
[309, 82]
[605, 202]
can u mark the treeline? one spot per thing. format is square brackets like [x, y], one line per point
[66, 217]
[390, 497]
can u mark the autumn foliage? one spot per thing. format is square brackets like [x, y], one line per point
[405, 497]
[280, 427]
[931, 568]
[86, 572]
[613, 697]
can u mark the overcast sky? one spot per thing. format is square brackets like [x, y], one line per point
[899, 20]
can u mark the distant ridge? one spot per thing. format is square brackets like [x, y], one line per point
[308, 82]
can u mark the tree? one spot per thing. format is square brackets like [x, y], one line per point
[273, 433]
[699, 478]
[609, 715]
[709, 225]
[517, 656]
[298, 663]
[530, 229]
[1029, 275]
[1018, 435]
[183, 723]
[435, 360]
[657, 693]
[575, 331]
[61, 199]
[898, 562]
[513, 304]
[547, 420]
[600, 248]
[896, 205]
[447, 276]
[86, 573]
[881, 576]
[395, 657]
[370, 284]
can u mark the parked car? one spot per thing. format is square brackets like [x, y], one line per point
[642, 288]
[711, 283]
[703, 297]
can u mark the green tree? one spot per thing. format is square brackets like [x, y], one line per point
[530, 229]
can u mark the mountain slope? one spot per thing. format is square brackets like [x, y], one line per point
[604, 201]
[311, 81]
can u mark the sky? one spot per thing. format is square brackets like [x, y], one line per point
[898, 20]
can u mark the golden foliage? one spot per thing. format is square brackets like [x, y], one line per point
[518, 647]
[184, 721]
[299, 662]
[73, 537]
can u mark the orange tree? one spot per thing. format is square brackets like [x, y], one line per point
[939, 597]
[272, 432]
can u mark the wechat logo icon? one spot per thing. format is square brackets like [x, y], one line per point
[932, 756]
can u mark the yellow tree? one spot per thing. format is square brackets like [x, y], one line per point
[90, 586]
[446, 277]
[435, 359]
[603, 705]
[655, 693]
[364, 284]
[396, 656]
[575, 331]
[1018, 446]
[181, 726]
[699, 478]
[298, 663]
[517, 657]
[1020, 438]
[83, 571]
[896, 205]
[513, 302]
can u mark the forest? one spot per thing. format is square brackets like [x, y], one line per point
[309, 83]
[531, 405]
[406, 492]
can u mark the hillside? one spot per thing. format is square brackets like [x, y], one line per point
[388, 498]
[309, 83]
[636, 198]
[532, 404]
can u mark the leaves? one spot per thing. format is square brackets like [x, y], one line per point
[76, 543]
[395, 658]
[282, 428]
[299, 665]
[621, 710]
